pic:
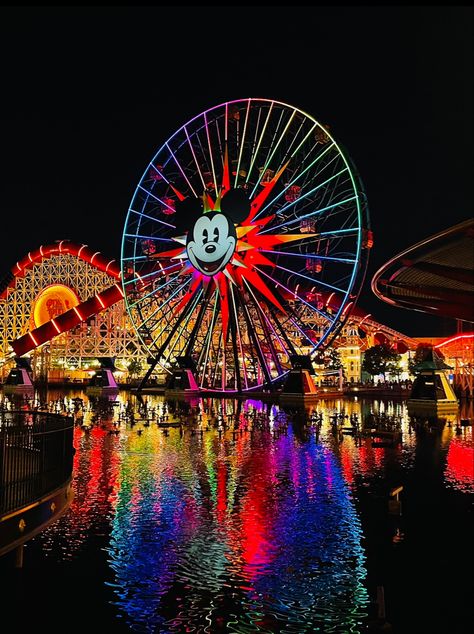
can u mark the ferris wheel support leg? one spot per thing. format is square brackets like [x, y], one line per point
[144, 381]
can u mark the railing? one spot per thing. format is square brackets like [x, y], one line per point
[36, 455]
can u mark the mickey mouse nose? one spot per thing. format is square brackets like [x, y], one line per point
[210, 248]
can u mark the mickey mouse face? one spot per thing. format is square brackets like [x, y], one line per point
[212, 242]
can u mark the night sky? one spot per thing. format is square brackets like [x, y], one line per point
[88, 96]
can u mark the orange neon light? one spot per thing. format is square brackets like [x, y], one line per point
[455, 338]
[33, 339]
[56, 326]
[92, 258]
[119, 289]
[100, 300]
[78, 314]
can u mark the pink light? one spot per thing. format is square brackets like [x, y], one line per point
[329, 298]
[79, 252]
[92, 258]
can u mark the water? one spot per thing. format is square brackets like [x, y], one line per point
[254, 518]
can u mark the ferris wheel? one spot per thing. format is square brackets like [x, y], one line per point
[245, 244]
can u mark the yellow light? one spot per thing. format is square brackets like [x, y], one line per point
[52, 301]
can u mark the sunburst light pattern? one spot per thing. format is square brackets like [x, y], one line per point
[244, 227]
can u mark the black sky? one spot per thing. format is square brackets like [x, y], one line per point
[89, 94]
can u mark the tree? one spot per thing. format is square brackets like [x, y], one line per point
[332, 359]
[134, 368]
[380, 359]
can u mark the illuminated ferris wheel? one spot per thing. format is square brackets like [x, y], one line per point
[245, 244]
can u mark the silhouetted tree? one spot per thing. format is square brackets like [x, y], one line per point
[380, 359]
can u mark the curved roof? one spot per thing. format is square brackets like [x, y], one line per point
[433, 276]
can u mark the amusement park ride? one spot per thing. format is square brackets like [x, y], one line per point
[243, 254]
[244, 227]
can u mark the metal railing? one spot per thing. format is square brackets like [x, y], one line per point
[36, 456]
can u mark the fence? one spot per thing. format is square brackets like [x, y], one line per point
[36, 455]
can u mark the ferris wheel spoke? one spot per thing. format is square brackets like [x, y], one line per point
[256, 149]
[242, 143]
[152, 218]
[309, 255]
[154, 291]
[160, 271]
[311, 215]
[179, 319]
[273, 149]
[162, 202]
[210, 153]
[195, 159]
[207, 340]
[161, 306]
[183, 173]
[180, 338]
[263, 314]
[300, 175]
[258, 349]
[238, 341]
[324, 315]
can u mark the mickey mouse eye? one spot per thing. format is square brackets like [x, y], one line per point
[205, 236]
[216, 234]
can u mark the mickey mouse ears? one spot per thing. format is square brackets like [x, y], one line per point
[234, 204]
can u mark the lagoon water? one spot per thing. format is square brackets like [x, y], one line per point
[253, 517]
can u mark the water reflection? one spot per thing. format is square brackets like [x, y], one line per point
[242, 517]
[253, 534]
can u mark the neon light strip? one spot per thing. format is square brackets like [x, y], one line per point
[78, 313]
[144, 277]
[301, 174]
[180, 169]
[314, 213]
[259, 142]
[210, 153]
[311, 279]
[33, 339]
[92, 258]
[56, 326]
[30, 258]
[139, 213]
[456, 338]
[308, 255]
[226, 121]
[100, 300]
[194, 157]
[135, 257]
[283, 348]
[366, 317]
[209, 337]
[311, 191]
[293, 293]
[79, 252]
[161, 202]
[180, 288]
[138, 235]
[239, 337]
[188, 319]
[273, 152]
[119, 289]
[158, 288]
[242, 144]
